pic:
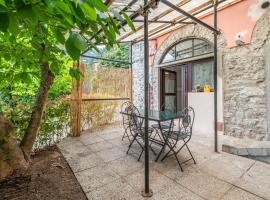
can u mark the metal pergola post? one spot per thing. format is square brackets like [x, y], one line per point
[131, 71]
[146, 192]
[215, 74]
[215, 32]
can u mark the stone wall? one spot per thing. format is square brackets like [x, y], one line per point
[138, 74]
[241, 76]
[245, 102]
[138, 78]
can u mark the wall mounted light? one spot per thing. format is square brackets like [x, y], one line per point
[239, 39]
[265, 4]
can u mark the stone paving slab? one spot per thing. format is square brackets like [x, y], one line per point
[112, 192]
[111, 154]
[257, 180]
[126, 165]
[101, 146]
[91, 179]
[203, 184]
[82, 162]
[238, 194]
[227, 167]
[104, 170]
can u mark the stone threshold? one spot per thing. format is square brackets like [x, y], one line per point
[244, 146]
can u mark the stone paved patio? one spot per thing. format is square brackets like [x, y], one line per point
[104, 170]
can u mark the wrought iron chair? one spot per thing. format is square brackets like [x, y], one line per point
[163, 125]
[126, 120]
[183, 134]
[136, 129]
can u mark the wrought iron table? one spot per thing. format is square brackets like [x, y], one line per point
[159, 117]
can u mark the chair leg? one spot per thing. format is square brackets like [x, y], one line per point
[175, 155]
[167, 154]
[134, 138]
[151, 144]
[190, 154]
[140, 154]
[161, 151]
[125, 133]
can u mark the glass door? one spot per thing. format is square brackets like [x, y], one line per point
[168, 90]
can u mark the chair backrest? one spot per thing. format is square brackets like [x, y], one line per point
[186, 121]
[125, 105]
[124, 109]
[135, 122]
[170, 105]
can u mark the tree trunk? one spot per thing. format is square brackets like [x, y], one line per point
[46, 81]
[11, 156]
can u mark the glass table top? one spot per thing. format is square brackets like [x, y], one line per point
[155, 115]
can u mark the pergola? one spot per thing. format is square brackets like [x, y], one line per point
[153, 18]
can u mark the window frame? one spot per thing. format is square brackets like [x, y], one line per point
[173, 46]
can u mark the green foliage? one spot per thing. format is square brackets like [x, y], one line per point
[54, 124]
[118, 52]
[35, 31]
[56, 32]
[129, 22]
[62, 85]
[18, 111]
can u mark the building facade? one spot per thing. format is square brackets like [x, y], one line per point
[181, 65]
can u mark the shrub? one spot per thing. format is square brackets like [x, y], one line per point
[54, 125]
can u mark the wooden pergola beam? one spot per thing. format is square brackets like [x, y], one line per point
[108, 2]
[204, 15]
[166, 12]
[165, 26]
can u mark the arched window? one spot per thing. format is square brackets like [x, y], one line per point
[186, 49]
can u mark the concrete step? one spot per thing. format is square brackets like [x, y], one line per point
[244, 146]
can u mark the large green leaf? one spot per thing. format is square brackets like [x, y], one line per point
[4, 21]
[26, 12]
[13, 25]
[99, 5]
[62, 6]
[89, 11]
[75, 73]
[3, 9]
[113, 23]
[79, 42]
[131, 25]
[72, 50]
[3, 3]
[54, 67]
[60, 36]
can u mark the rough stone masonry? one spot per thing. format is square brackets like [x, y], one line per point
[243, 69]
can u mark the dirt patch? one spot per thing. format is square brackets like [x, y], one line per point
[48, 178]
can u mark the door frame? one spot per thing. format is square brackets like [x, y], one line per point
[186, 83]
[162, 87]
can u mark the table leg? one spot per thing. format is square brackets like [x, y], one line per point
[165, 140]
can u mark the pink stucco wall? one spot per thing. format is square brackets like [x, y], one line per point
[237, 19]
